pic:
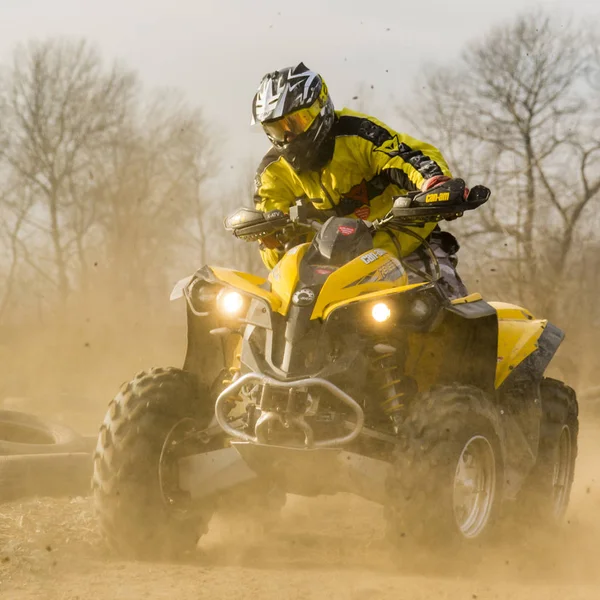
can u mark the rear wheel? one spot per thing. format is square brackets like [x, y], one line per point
[545, 496]
[141, 511]
[447, 479]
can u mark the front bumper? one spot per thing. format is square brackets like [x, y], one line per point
[288, 421]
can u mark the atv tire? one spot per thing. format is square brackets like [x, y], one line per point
[23, 433]
[450, 456]
[136, 519]
[544, 498]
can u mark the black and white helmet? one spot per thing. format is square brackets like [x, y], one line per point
[296, 112]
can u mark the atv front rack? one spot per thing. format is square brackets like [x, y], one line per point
[286, 420]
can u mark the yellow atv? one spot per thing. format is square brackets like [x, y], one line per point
[336, 374]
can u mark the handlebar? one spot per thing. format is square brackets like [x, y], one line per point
[446, 201]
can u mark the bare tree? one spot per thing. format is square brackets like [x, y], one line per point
[15, 205]
[593, 70]
[62, 105]
[148, 192]
[516, 114]
[102, 203]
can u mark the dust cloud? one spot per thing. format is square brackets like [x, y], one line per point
[327, 547]
[320, 548]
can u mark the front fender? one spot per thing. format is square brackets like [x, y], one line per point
[207, 356]
[530, 358]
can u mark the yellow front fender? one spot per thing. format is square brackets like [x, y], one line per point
[518, 335]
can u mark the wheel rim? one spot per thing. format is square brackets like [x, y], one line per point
[561, 481]
[474, 486]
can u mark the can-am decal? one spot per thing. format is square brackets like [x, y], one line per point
[372, 256]
[390, 270]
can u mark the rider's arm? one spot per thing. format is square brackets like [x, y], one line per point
[411, 164]
[408, 162]
[272, 191]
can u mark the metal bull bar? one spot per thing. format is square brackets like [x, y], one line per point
[287, 420]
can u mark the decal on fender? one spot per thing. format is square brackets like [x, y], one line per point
[372, 256]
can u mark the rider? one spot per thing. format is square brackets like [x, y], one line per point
[344, 162]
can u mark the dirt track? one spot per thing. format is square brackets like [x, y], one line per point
[323, 548]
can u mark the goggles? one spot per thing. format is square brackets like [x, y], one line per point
[285, 129]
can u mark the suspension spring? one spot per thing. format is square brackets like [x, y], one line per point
[229, 378]
[233, 372]
[395, 388]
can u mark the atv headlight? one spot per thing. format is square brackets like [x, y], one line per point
[381, 312]
[423, 311]
[420, 309]
[230, 302]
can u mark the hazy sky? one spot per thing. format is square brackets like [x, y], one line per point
[217, 51]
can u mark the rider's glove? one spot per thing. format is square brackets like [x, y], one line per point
[433, 181]
[271, 242]
[436, 180]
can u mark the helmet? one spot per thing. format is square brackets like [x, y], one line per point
[297, 114]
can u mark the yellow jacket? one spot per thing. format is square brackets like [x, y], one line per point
[370, 165]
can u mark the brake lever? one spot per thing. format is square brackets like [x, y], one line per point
[379, 224]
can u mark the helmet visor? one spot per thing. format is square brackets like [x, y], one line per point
[286, 128]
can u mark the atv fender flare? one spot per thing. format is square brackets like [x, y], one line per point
[521, 396]
[534, 365]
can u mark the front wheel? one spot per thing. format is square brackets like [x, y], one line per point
[134, 481]
[447, 476]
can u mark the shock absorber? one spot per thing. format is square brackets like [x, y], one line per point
[229, 377]
[395, 388]
[232, 373]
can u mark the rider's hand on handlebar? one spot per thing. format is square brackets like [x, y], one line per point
[436, 180]
[433, 181]
[271, 242]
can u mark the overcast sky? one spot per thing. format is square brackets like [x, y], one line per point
[217, 50]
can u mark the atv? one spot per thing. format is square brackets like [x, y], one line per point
[338, 374]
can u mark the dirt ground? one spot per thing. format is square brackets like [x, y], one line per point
[321, 548]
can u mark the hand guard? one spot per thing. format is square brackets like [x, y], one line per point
[437, 180]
